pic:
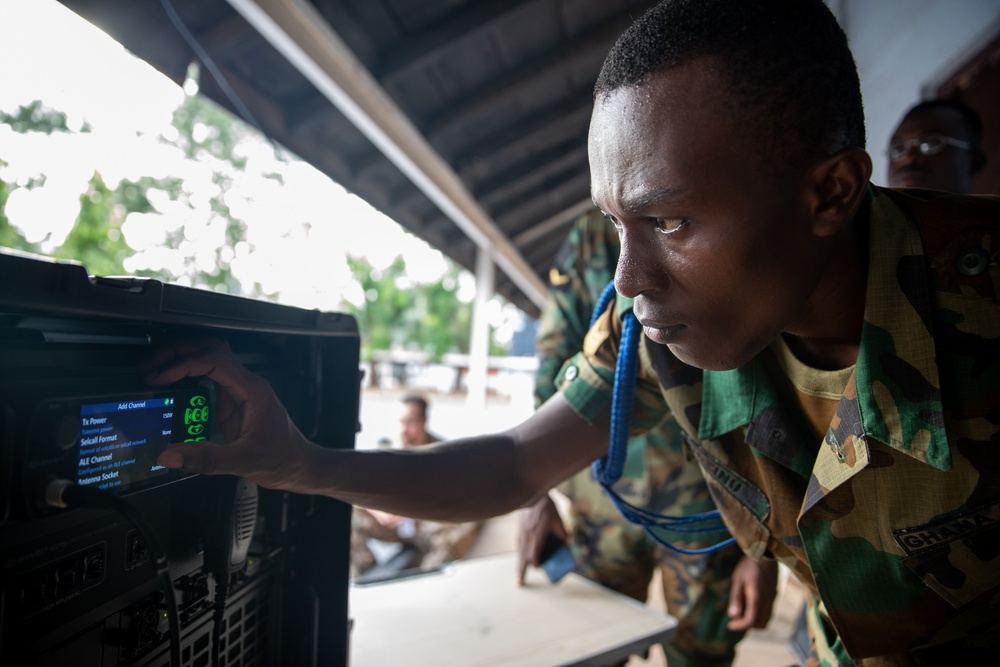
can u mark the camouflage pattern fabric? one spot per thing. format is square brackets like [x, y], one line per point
[658, 475]
[583, 267]
[893, 520]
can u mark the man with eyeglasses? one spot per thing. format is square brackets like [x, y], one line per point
[937, 146]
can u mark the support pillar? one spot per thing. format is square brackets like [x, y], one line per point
[479, 339]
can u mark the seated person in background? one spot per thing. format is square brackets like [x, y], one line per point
[396, 542]
[413, 424]
[938, 146]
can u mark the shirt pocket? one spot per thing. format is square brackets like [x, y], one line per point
[957, 556]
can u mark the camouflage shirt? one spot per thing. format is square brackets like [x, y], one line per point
[893, 520]
[584, 266]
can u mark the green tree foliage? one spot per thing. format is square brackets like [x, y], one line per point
[36, 117]
[211, 135]
[209, 132]
[385, 316]
[33, 117]
[10, 236]
[398, 313]
[444, 321]
[96, 239]
[205, 132]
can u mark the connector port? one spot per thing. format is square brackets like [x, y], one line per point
[136, 550]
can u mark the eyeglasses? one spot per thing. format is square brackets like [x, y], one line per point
[929, 144]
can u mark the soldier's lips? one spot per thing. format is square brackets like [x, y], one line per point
[664, 335]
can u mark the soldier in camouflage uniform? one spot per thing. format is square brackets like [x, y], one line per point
[863, 456]
[658, 476]
[830, 349]
[896, 537]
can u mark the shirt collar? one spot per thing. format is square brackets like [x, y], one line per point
[898, 389]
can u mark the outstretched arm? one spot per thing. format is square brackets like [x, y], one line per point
[461, 480]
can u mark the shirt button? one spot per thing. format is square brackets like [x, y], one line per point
[571, 373]
[972, 261]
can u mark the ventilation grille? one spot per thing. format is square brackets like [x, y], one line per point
[246, 639]
[246, 517]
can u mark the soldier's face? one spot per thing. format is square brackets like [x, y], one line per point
[950, 170]
[412, 427]
[717, 250]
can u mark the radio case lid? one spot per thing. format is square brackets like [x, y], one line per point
[40, 285]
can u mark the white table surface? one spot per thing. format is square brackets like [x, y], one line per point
[473, 614]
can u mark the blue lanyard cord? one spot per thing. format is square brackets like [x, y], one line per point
[710, 522]
[608, 469]
[690, 552]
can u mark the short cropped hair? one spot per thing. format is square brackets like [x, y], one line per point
[970, 119]
[418, 401]
[794, 81]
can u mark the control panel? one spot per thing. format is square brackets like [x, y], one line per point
[201, 569]
[111, 441]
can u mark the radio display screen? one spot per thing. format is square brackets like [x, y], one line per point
[120, 438]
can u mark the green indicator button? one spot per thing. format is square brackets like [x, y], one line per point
[195, 415]
[198, 412]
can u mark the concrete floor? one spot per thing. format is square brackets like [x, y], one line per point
[760, 648]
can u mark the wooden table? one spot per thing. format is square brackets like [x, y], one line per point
[473, 613]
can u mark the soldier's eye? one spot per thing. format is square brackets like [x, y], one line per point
[668, 225]
[611, 219]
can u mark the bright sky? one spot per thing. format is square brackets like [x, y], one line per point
[298, 232]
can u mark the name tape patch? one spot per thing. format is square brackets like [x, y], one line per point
[748, 494]
[917, 539]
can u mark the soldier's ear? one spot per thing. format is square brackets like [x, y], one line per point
[836, 189]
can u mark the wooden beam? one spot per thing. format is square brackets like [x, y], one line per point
[554, 222]
[296, 30]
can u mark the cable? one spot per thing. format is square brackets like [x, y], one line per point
[218, 615]
[64, 493]
[608, 469]
[202, 54]
[229, 517]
